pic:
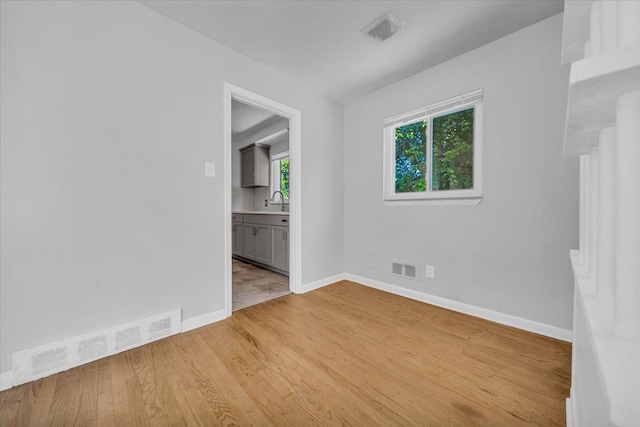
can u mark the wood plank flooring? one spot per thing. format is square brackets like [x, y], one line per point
[343, 354]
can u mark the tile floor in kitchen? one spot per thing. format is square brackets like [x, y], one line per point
[253, 285]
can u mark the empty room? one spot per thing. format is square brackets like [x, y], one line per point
[367, 213]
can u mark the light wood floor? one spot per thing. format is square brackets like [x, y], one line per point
[253, 285]
[344, 354]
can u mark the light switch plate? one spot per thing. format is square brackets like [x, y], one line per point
[209, 169]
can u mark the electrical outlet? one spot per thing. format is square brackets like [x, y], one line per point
[372, 260]
[431, 272]
[266, 203]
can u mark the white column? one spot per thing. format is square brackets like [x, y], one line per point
[608, 25]
[585, 194]
[628, 23]
[594, 28]
[627, 207]
[587, 49]
[606, 214]
[593, 214]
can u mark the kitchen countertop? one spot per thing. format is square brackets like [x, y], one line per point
[260, 212]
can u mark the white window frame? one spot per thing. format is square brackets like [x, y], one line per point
[448, 106]
[276, 179]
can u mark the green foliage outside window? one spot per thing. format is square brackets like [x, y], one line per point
[411, 157]
[453, 151]
[452, 155]
[284, 177]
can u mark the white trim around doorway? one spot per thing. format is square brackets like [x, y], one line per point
[232, 92]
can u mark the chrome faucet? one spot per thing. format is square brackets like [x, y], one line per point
[283, 207]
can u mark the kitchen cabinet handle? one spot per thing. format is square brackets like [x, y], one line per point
[284, 236]
[284, 220]
[255, 231]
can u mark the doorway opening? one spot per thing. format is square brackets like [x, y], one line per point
[262, 203]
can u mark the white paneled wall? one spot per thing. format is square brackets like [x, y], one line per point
[603, 127]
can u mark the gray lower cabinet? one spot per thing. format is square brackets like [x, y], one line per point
[236, 240]
[249, 241]
[263, 239]
[280, 247]
[256, 242]
[263, 244]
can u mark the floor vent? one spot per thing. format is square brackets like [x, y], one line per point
[403, 269]
[38, 362]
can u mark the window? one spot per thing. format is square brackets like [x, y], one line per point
[280, 177]
[435, 153]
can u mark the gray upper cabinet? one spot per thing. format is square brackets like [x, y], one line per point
[254, 166]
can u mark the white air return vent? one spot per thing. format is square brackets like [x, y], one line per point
[93, 348]
[49, 360]
[384, 27]
[128, 338]
[34, 363]
[404, 269]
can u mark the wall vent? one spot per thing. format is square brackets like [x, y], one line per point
[396, 268]
[404, 269]
[41, 361]
[410, 271]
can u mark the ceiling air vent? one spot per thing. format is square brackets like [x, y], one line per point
[384, 27]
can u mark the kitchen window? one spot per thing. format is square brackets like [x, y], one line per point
[434, 154]
[280, 177]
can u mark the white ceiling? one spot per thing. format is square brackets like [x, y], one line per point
[246, 119]
[319, 43]
[256, 124]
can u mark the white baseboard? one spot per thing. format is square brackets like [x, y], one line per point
[44, 360]
[203, 320]
[472, 310]
[6, 380]
[22, 359]
[572, 418]
[322, 282]
[570, 413]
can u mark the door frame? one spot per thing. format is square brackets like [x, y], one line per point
[232, 92]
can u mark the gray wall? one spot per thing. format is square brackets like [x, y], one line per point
[510, 252]
[109, 111]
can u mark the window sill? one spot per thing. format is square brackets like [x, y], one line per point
[468, 201]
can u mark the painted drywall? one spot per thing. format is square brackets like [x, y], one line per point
[510, 252]
[109, 111]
